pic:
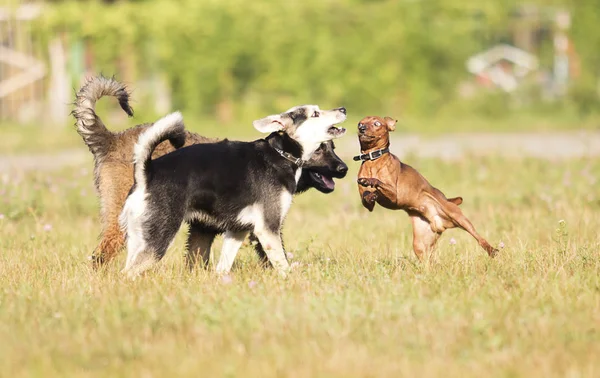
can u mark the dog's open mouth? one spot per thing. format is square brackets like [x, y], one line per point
[335, 131]
[325, 181]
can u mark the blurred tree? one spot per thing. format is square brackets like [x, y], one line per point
[252, 57]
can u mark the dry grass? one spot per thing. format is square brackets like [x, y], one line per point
[357, 305]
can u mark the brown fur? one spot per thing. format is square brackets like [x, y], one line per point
[397, 186]
[113, 159]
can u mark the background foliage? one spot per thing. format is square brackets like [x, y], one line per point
[261, 55]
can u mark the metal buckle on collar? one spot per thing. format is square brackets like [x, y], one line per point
[375, 154]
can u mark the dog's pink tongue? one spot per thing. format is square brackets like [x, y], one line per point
[328, 181]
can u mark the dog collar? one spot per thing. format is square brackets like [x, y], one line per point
[286, 155]
[373, 155]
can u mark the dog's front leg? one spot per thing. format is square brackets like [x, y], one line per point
[260, 251]
[232, 241]
[386, 190]
[369, 199]
[273, 247]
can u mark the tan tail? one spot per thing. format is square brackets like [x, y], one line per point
[91, 128]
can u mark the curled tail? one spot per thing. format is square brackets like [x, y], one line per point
[169, 127]
[91, 128]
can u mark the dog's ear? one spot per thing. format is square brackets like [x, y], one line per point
[269, 124]
[390, 123]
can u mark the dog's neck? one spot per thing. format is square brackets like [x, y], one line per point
[283, 142]
[374, 145]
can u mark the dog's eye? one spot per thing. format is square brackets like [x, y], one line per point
[316, 114]
[377, 123]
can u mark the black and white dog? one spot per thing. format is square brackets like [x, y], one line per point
[318, 173]
[232, 187]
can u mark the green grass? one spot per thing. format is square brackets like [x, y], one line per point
[358, 304]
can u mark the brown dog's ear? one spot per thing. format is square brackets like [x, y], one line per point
[390, 123]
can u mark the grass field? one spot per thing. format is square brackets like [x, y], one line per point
[357, 304]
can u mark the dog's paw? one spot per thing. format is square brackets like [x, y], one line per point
[97, 261]
[370, 197]
[369, 182]
[369, 200]
[492, 252]
[283, 273]
[363, 181]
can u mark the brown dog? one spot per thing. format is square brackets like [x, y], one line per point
[385, 180]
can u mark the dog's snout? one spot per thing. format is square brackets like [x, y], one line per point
[362, 127]
[342, 109]
[342, 168]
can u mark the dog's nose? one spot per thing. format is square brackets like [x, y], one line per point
[342, 109]
[342, 169]
[362, 128]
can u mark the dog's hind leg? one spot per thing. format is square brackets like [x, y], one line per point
[138, 259]
[199, 242]
[231, 245]
[112, 241]
[150, 231]
[147, 248]
[424, 238]
[458, 218]
[113, 182]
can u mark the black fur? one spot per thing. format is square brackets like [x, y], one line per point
[324, 161]
[192, 179]
[298, 116]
